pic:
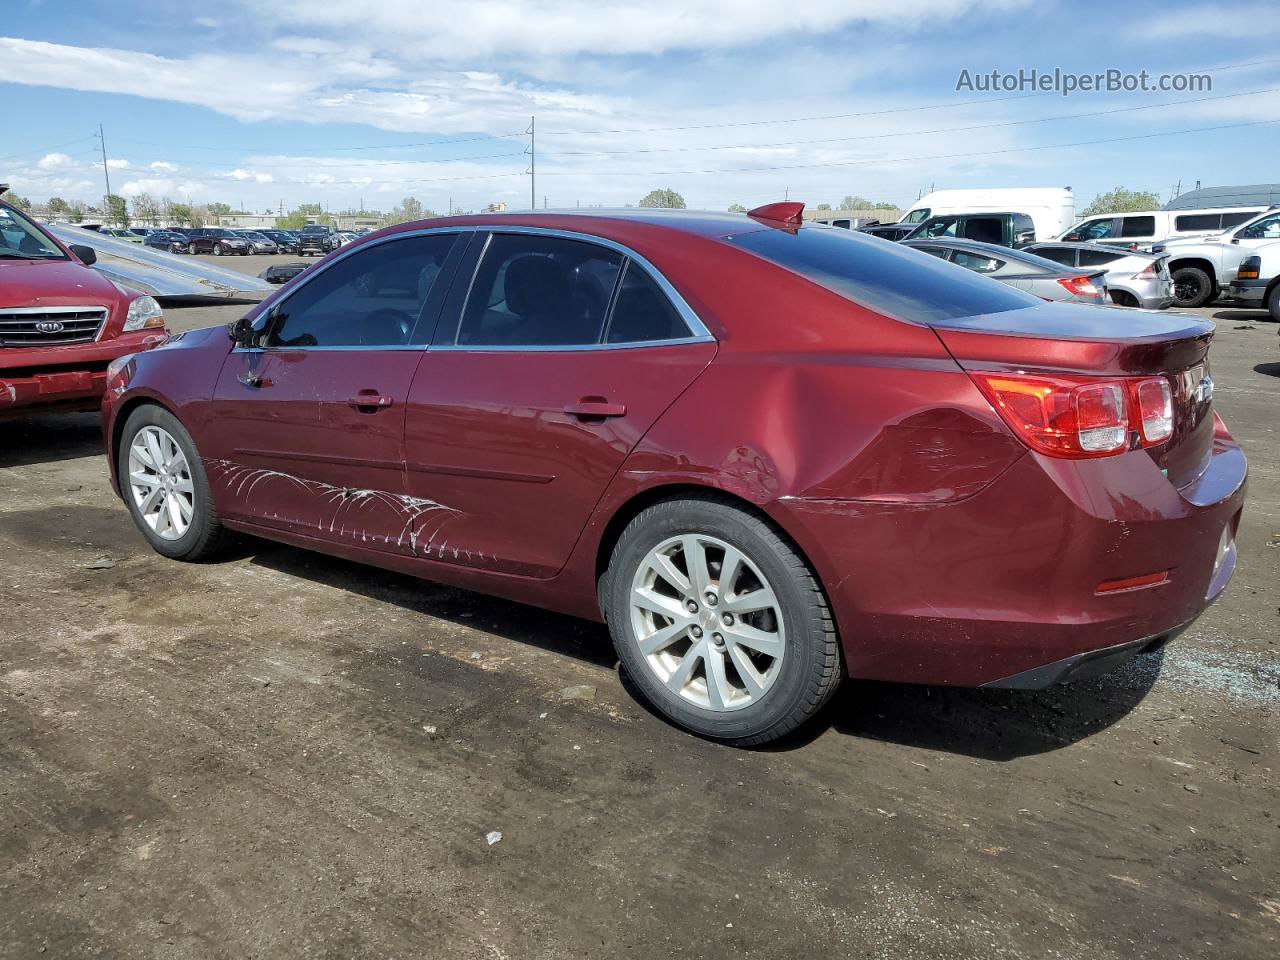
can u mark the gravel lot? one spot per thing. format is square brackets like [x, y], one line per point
[285, 755]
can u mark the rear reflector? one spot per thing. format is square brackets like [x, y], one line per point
[1077, 417]
[1133, 583]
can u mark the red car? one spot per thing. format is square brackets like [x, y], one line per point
[768, 455]
[61, 323]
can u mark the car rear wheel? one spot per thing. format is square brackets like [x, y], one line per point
[217, 249]
[1192, 287]
[1273, 302]
[720, 622]
[165, 486]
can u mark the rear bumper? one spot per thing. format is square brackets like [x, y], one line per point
[1008, 587]
[61, 388]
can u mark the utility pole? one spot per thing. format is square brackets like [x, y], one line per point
[533, 161]
[106, 202]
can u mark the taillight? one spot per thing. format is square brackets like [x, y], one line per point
[1149, 271]
[1155, 410]
[1080, 286]
[1077, 418]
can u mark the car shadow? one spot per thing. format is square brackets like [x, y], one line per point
[1243, 315]
[1270, 369]
[49, 437]
[989, 724]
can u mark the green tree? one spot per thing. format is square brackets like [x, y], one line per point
[145, 209]
[76, 212]
[737, 208]
[293, 220]
[824, 206]
[884, 205]
[855, 203]
[1121, 200]
[57, 207]
[667, 199]
[181, 212]
[13, 199]
[117, 210]
[219, 209]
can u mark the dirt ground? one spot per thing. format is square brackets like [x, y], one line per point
[285, 755]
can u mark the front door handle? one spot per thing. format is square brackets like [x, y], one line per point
[592, 409]
[371, 399]
[253, 380]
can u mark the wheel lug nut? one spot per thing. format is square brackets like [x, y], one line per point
[696, 631]
[711, 599]
[717, 640]
[728, 619]
[691, 606]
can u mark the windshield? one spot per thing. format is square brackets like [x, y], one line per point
[887, 277]
[916, 216]
[21, 239]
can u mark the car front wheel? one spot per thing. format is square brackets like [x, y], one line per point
[165, 486]
[1273, 302]
[720, 622]
[217, 249]
[1192, 287]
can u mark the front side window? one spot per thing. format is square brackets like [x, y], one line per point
[1096, 229]
[887, 277]
[534, 290]
[20, 239]
[372, 298]
[1268, 228]
[1229, 220]
[917, 216]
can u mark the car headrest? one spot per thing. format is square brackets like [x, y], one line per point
[535, 284]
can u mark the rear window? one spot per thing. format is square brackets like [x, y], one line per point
[889, 278]
[1137, 226]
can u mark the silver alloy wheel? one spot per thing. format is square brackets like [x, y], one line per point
[160, 482]
[707, 622]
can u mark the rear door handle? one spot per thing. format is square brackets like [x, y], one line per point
[595, 409]
[371, 399]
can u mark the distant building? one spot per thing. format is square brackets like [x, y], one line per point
[248, 221]
[854, 218]
[1246, 195]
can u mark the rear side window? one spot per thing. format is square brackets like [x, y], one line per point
[889, 278]
[641, 311]
[1063, 255]
[539, 291]
[1198, 221]
[1137, 226]
[1096, 258]
[1231, 219]
[976, 262]
[371, 298]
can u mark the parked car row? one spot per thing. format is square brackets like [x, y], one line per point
[226, 241]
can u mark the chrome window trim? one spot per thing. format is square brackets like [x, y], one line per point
[699, 331]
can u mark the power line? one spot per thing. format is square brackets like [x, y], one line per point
[289, 166]
[865, 160]
[322, 150]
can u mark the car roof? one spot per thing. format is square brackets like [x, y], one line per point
[1071, 245]
[706, 223]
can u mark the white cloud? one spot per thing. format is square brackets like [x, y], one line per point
[1242, 20]
[457, 29]
[117, 164]
[55, 161]
[249, 175]
[162, 166]
[209, 23]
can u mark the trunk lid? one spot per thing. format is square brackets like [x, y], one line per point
[1104, 342]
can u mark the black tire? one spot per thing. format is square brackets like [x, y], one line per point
[217, 249]
[1122, 298]
[810, 670]
[1192, 287]
[173, 248]
[1273, 302]
[205, 537]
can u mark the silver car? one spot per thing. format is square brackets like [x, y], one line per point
[1134, 278]
[258, 242]
[1020, 269]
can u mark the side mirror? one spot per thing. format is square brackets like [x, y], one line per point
[246, 331]
[88, 256]
[1235, 239]
[1071, 238]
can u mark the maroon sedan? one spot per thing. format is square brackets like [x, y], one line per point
[768, 455]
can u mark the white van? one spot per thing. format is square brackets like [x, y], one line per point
[1051, 209]
[1145, 226]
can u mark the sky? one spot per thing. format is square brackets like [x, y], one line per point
[268, 105]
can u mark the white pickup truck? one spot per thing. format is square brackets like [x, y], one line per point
[1202, 267]
[1257, 281]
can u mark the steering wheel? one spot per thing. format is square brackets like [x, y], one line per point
[386, 320]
